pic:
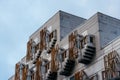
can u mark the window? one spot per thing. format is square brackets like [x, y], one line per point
[91, 39]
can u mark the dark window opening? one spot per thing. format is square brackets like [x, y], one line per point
[91, 39]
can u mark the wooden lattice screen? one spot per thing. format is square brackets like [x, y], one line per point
[53, 59]
[71, 46]
[110, 66]
[24, 73]
[42, 44]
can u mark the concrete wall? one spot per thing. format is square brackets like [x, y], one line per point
[68, 22]
[109, 28]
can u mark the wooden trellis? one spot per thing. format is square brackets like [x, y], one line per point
[82, 75]
[53, 63]
[77, 76]
[42, 44]
[38, 70]
[71, 46]
[29, 55]
[17, 70]
[110, 64]
[24, 73]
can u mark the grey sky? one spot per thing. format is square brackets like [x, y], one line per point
[20, 18]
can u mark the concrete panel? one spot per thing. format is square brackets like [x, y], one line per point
[109, 29]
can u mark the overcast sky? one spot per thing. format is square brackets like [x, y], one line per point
[20, 18]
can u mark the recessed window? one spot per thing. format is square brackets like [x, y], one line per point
[91, 39]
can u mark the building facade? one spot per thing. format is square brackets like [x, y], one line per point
[68, 47]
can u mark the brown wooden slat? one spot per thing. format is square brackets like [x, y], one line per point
[110, 68]
[38, 70]
[77, 76]
[71, 46]
[54, 64]
[17, 76]
[24, 74]
[28, 55]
